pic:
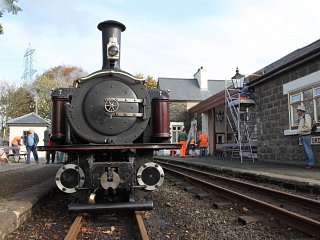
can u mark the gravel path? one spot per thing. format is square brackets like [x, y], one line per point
[179, 215]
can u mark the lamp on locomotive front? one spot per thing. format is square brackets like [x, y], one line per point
[113, 52]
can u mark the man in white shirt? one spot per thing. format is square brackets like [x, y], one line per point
[304, 131]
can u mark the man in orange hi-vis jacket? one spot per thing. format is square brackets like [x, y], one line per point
[203, 144]
[182, 139]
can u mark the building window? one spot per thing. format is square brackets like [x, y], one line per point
[176, 128]
[220, 138]
[308, 97]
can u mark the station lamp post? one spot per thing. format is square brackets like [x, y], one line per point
[238, 80]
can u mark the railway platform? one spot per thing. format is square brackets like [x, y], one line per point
[291, 175]
[22, 189]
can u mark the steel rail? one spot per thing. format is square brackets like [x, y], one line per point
[302, 223]
[75, 228]
[301, 201]
[79, 220]
[142, 229]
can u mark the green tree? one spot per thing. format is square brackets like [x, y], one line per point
[10, 100]
[64, 74]
[21, 103]
[150, 83]
[60, 76]
[8, 6]
[6, 91]
[14, 102]
[34, 97]
[139, 75]
[43, 86]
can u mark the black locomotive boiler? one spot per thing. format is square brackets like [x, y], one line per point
[109, 125]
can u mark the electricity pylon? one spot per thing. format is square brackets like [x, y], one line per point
[28, 61]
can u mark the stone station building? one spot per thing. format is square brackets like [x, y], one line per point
[277, 90]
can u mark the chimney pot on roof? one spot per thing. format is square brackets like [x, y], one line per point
[202, 78]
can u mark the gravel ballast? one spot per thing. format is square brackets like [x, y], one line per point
[177, 215]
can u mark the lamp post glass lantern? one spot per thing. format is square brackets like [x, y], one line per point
[238, 80]
[219, 117]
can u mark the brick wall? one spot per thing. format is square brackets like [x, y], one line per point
[273, 115]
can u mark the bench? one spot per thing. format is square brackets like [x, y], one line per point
[12, 157]
[233, 148]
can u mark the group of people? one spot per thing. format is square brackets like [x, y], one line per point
[202, 140]
[304, 132]
[31, 141]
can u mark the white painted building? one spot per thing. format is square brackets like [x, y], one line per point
[20, 127]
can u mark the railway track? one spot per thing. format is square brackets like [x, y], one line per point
[123, 226]
[298, 212]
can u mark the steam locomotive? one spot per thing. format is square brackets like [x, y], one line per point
[109, 125]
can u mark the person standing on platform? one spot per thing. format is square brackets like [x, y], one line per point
[203, 144]
[304, 131]
[49, 154]
[182, 139]
[32, 140]
[192, 146]
[60, 157]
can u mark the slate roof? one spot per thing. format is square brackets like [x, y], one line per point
[292, 56]
[288, 60]
[189, 89]
[31, 119]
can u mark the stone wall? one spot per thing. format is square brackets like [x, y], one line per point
[178, 112]
[273, 145]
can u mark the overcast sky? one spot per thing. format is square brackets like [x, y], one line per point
[164, 38]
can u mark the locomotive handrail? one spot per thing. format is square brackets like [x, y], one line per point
[109, 72]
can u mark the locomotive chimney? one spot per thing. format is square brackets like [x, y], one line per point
[111, 43]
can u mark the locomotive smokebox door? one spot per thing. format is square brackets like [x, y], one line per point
[113, 109]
